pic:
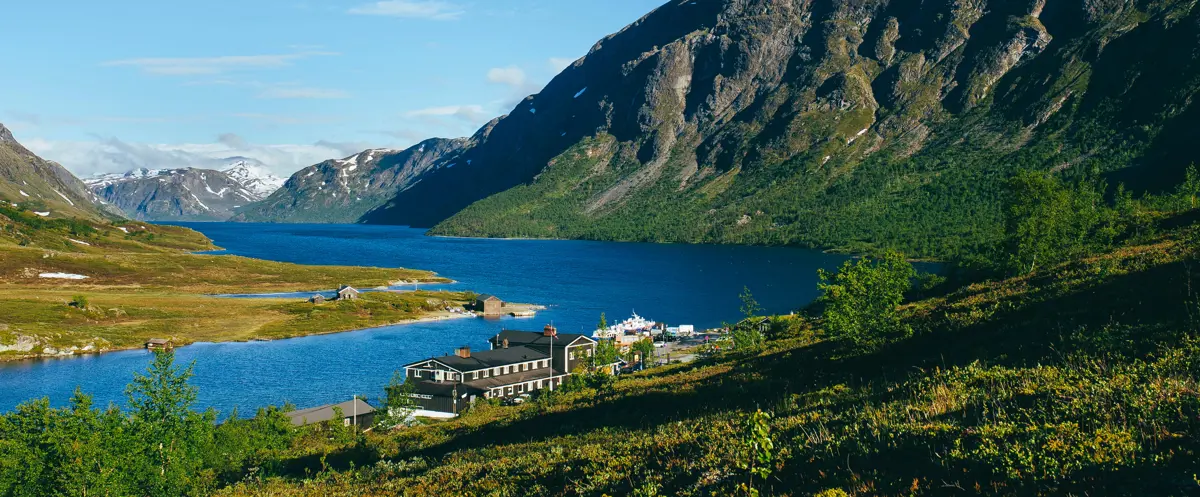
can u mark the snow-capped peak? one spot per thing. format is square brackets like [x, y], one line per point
[254, 177]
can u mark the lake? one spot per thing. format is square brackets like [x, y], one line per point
[577, 280]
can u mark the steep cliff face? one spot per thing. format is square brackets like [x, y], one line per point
[44, 186]
[342, 191]
[174, 194]
[824, 123]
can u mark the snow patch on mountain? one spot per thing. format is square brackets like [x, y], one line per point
[254, 177]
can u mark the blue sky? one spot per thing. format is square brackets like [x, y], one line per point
[107, 86]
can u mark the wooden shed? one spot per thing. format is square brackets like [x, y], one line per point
[347, 293]
[489, 305]
[158, 344]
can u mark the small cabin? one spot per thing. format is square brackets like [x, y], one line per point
[354, 413]
[317, 299]
[489, 305]
[158, 344]
[347, 293]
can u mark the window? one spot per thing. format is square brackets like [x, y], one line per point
[572, 355]
[589, 352]
[522, 367]
[346, 422]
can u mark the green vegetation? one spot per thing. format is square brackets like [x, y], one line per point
[141, 282]
[1061, 380]
[861, 299]
[160, 446]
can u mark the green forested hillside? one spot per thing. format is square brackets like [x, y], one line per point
[896, 124]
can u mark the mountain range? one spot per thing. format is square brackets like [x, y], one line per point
[344, 190]
[829, 124]
[186, 194]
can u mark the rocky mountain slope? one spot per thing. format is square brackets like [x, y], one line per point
[186, 194]
[44, 186]
[343, 190]
[253, 175]
[834, 124]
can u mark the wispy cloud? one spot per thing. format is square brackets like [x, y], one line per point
[415, 9]
[288, 119]
[191, 66]
[560, 63]
[511, 76]
[470, 113]
[110, 154]
[288, 92]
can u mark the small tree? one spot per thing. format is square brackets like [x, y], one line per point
[759, 450]
[645, 349]
[750, 307]
[171, 434]
[861, 300]
[603, 322]
[606, 353]
[80, 302]
[398, 403]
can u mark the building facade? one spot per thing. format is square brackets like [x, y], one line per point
[489, 305]
[519, 362]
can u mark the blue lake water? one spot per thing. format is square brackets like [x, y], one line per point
[676, 284]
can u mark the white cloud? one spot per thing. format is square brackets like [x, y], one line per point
[559, 63]
[86, 158]
[288, 92]
[470, 113]
[188, 66]
[511, 76]
[416, 9]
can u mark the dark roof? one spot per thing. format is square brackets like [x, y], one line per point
[488, 358]
[158, 341]
[510, 379]
[486, 297]
[536, 338]
[325, 413]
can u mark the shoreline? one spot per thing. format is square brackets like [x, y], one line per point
[435, 317]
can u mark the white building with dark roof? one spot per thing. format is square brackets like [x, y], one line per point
[520, 362]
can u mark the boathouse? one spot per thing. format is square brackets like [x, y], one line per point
[347, 293]
[489, 305]
[520, 362]
[158, 344]
[317, 299]
[354, 413]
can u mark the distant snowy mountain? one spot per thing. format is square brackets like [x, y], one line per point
[186, 194]
[343, 190]
[254, 176]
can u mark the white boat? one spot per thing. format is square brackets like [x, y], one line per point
[635, 325]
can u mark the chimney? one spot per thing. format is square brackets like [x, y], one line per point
[463, 352]
[506, 343]
[549, 330]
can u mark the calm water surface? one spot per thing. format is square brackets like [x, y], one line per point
[678, 284]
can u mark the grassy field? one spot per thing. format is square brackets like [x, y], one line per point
[124, 319]
[143, 281]
[1076, 378]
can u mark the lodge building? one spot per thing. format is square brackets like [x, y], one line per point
[519, 362]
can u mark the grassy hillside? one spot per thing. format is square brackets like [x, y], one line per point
[1076, 378]
[888, 124]
[139, 281]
